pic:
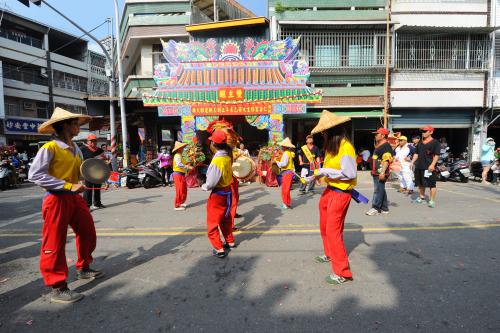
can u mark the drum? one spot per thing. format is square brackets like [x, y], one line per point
[95, 171]
[244, 168]
[275, 168]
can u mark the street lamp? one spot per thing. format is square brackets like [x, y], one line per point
[111, 77]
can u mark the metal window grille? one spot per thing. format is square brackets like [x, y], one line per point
[25, 74]
[158, 57]
[445, 52]
[70, 81]
[341, 50]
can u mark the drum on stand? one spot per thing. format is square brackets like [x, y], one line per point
[244, 168]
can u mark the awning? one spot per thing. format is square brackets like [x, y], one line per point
[441, 29]
[354, 114]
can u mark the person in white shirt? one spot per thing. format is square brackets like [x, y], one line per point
[243, 151]
[365, 154]
[406, 174]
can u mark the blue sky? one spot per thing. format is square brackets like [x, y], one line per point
[90, 13]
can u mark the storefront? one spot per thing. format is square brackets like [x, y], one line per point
[455, 125]
[253, 84]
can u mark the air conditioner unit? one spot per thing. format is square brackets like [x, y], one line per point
[29, 106]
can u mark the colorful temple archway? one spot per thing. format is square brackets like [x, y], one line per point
[203, 81]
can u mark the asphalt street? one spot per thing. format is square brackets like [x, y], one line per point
[417, 269]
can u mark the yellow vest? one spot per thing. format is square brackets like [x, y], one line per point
[333, 162]
[224, 163]
[64, 165]
[178, 168]
[290, 165]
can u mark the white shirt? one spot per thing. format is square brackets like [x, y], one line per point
[365, 154]
[401, 154]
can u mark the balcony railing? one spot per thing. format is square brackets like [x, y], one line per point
[463, 52]
[24, 74]
[21, 38]
[339, 50]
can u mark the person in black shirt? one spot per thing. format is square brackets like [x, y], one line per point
[424, 160]
[382, 157]
[90, 150]
[306, 165]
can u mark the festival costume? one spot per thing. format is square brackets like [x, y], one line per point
[219, 204]
[287, 173]
[340, 173]
[179, 176]
[56, 168]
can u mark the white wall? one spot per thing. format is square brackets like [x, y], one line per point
[3, 139]
[403, 13]
[437, 98]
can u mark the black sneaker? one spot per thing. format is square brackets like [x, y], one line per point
[88, 273]
[228, 246]
[100, 206]
[65, 296]
[237, 216]
[219, 255]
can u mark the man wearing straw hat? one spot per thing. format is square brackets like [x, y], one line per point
[180, 169]
[56, 168]
[287, 172]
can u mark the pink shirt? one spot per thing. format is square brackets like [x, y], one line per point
[165, 160]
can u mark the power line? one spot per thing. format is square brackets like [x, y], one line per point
[59, 48]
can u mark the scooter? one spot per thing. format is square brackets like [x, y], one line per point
[133, 176]
[459, 171]
[22, 174]
[7, 177]
[152, 175]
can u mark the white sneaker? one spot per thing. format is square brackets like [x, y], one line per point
[372, 212]
[180, 208]
[384, 212]
[184, 205]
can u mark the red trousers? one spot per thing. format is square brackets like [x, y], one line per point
[217, 206]
[235, 199]
[59, 211]
[180, 189]
[333, 208]
[286, 186]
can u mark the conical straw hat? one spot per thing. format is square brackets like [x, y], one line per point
[329, 120]
[60, 115]
[287, 143]
[178, 145]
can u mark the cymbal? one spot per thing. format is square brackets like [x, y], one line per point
[95, 170]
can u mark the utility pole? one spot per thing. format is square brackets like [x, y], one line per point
[120, 86]
[111, 81]
[387, 62]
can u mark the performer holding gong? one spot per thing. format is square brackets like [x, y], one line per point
[179, 175]
[219, 179]
[56, 168]
[287, 172]
[309, 161]
[90, 150]
[339, 169]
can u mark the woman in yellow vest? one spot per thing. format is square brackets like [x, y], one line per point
[219, 179]
[287, 172]
[339, 170]
[180, 168]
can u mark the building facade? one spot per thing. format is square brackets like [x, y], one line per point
[43, 68]
[143, 25]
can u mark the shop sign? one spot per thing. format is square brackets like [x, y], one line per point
[22, 125]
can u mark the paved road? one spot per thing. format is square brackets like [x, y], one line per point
[417, 269]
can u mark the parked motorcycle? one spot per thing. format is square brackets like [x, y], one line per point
[152, 175]
[459, 171]
[22, 174]
[133, 176]
[7, 176]
[477, 172]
